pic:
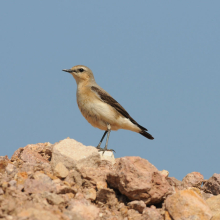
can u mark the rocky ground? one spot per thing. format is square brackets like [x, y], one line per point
[69, 181]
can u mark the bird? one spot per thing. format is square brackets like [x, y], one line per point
[99, 108]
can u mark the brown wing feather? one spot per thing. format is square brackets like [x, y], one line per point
[109, 100]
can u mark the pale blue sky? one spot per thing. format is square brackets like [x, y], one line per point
[159, 59]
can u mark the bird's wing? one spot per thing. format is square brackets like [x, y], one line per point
[105, 97]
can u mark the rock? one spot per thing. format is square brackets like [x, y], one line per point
[107, 155]
[16, 155]
[1, 191]
[53, 198]
[106, 196]
[3, 164]
[187, 204]
[139, 180]
[216, 216]
[124, 211]
[10, 168]
[97, 176]
[4, 158]
[206, 196]
[31, 156]
[79, 196]
[21, 177]
[74, 177]
[27, 168]
[65, 189]
[133, 214]
[152, 214]
[39, 198]
[40, 184]
[42, 177]
[212, 185]
[167, 216]
[70, 181]
[82, 210]
[57, 181]
[8, 206]
[196, 190]
[89, 194]
[177, 184]
[4, 185]
[101, 185]
[137, 205]
[61, 171]
[13, 202]
[214, 204]
[74, 155]
[72, 216]
[12, 183]
[193, 179]
[37, 214]
[164, 173]
[44, 149]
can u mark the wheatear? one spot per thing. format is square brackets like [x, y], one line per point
[99, 108]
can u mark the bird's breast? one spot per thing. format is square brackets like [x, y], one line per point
[96, 112]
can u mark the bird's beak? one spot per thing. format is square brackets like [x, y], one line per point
[68, 70]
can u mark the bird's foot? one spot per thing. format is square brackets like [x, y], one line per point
[103, 149]
[98, 147]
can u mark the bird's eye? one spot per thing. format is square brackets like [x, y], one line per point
[81, 70]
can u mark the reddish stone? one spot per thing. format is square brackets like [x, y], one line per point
[32, 157]
[139, 180]
[151, 214]
[37, 186]
[193, 179]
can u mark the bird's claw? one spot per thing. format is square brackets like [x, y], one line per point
[103, 149]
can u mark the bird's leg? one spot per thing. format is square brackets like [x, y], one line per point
[106, 144]
[98, 147]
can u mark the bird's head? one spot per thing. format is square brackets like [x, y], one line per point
[81, 73]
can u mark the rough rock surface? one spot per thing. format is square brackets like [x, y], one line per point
[212, 185]
[73, 154]
[61, 171]
[107, 155]
[69, 181]
[214, 204]
[138, 179]
[137, 205]
[152, 214]
[187, 204]
[194, 179]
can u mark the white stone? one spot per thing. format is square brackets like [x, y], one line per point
[73, 154]
[107, 155]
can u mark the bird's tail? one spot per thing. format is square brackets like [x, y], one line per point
[146, 134]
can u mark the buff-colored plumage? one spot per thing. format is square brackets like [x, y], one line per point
[99, 108]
